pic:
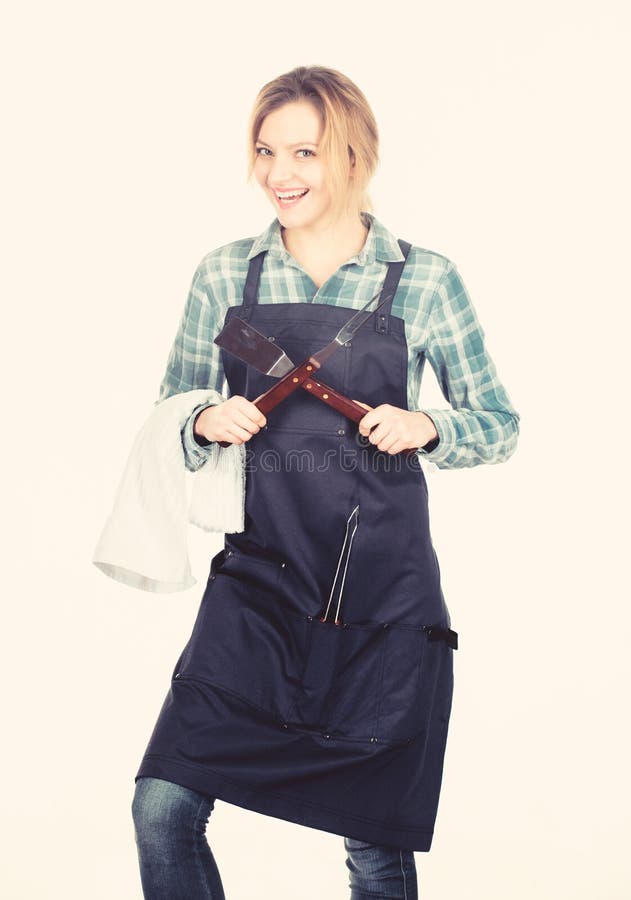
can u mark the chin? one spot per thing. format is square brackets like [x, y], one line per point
[290, 221]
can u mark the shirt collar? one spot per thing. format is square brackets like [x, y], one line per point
[380, 244]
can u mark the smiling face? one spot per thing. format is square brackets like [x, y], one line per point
[289, 166]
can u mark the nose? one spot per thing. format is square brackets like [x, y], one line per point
[280, 170]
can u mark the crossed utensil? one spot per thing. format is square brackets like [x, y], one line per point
[240, 339]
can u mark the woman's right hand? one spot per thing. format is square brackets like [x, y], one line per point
[235, 420]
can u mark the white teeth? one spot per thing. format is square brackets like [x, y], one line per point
[290, 194]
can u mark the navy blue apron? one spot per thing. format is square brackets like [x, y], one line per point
[317, 681]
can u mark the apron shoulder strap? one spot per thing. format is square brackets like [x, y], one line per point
[390, 285]
[251, 289]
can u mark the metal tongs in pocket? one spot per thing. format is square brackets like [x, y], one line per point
[340, 572]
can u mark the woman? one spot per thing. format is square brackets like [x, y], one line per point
[316, 685]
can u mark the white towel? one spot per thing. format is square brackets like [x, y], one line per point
[144, 543]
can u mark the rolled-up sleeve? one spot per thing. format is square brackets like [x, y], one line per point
[482, 425]
[195, 362]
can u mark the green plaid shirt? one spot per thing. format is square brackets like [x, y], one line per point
[441, 327]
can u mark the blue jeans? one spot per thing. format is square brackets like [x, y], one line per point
[176, 862]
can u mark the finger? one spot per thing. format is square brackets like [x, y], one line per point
[379, 434]
[235, 423]
[371, 419]
[248, 408]
[381, 414]
[243, 421]
[256, 414]
[391, 445]
[235, 434]
[362, 430]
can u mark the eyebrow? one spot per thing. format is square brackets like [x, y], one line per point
[291, 146]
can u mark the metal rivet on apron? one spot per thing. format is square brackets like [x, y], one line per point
[271, 338]
[283, 564]
[177, 674]
[229, 552]
[385, 624]
[347, 343]
[327, 736]
[309, 618]
[212, 577]
[341, 431]
[285, 725]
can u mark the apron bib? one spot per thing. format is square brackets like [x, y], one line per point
[316, 684]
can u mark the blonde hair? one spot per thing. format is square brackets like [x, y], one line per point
[349, 129]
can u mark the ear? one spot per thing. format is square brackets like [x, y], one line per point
[351, 157]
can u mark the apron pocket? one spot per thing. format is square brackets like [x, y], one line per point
[244, 640]
[299, 412]
[410, 673]
[339, 694]
[373, 683]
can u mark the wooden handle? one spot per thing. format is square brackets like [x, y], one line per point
[283, 388]
[333, 398]
[353, 411]
[301, 377]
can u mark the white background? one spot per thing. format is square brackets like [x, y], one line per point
[504, 146]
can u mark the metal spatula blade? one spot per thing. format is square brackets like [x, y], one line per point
[249, 345]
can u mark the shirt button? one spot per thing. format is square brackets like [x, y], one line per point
[341, 431]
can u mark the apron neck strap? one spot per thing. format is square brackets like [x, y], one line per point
[390, 285]
[251, 289]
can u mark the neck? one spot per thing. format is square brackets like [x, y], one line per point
[342, 239]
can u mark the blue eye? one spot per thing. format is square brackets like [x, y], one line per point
[265, 151]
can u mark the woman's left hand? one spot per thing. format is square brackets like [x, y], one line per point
[392, 429]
